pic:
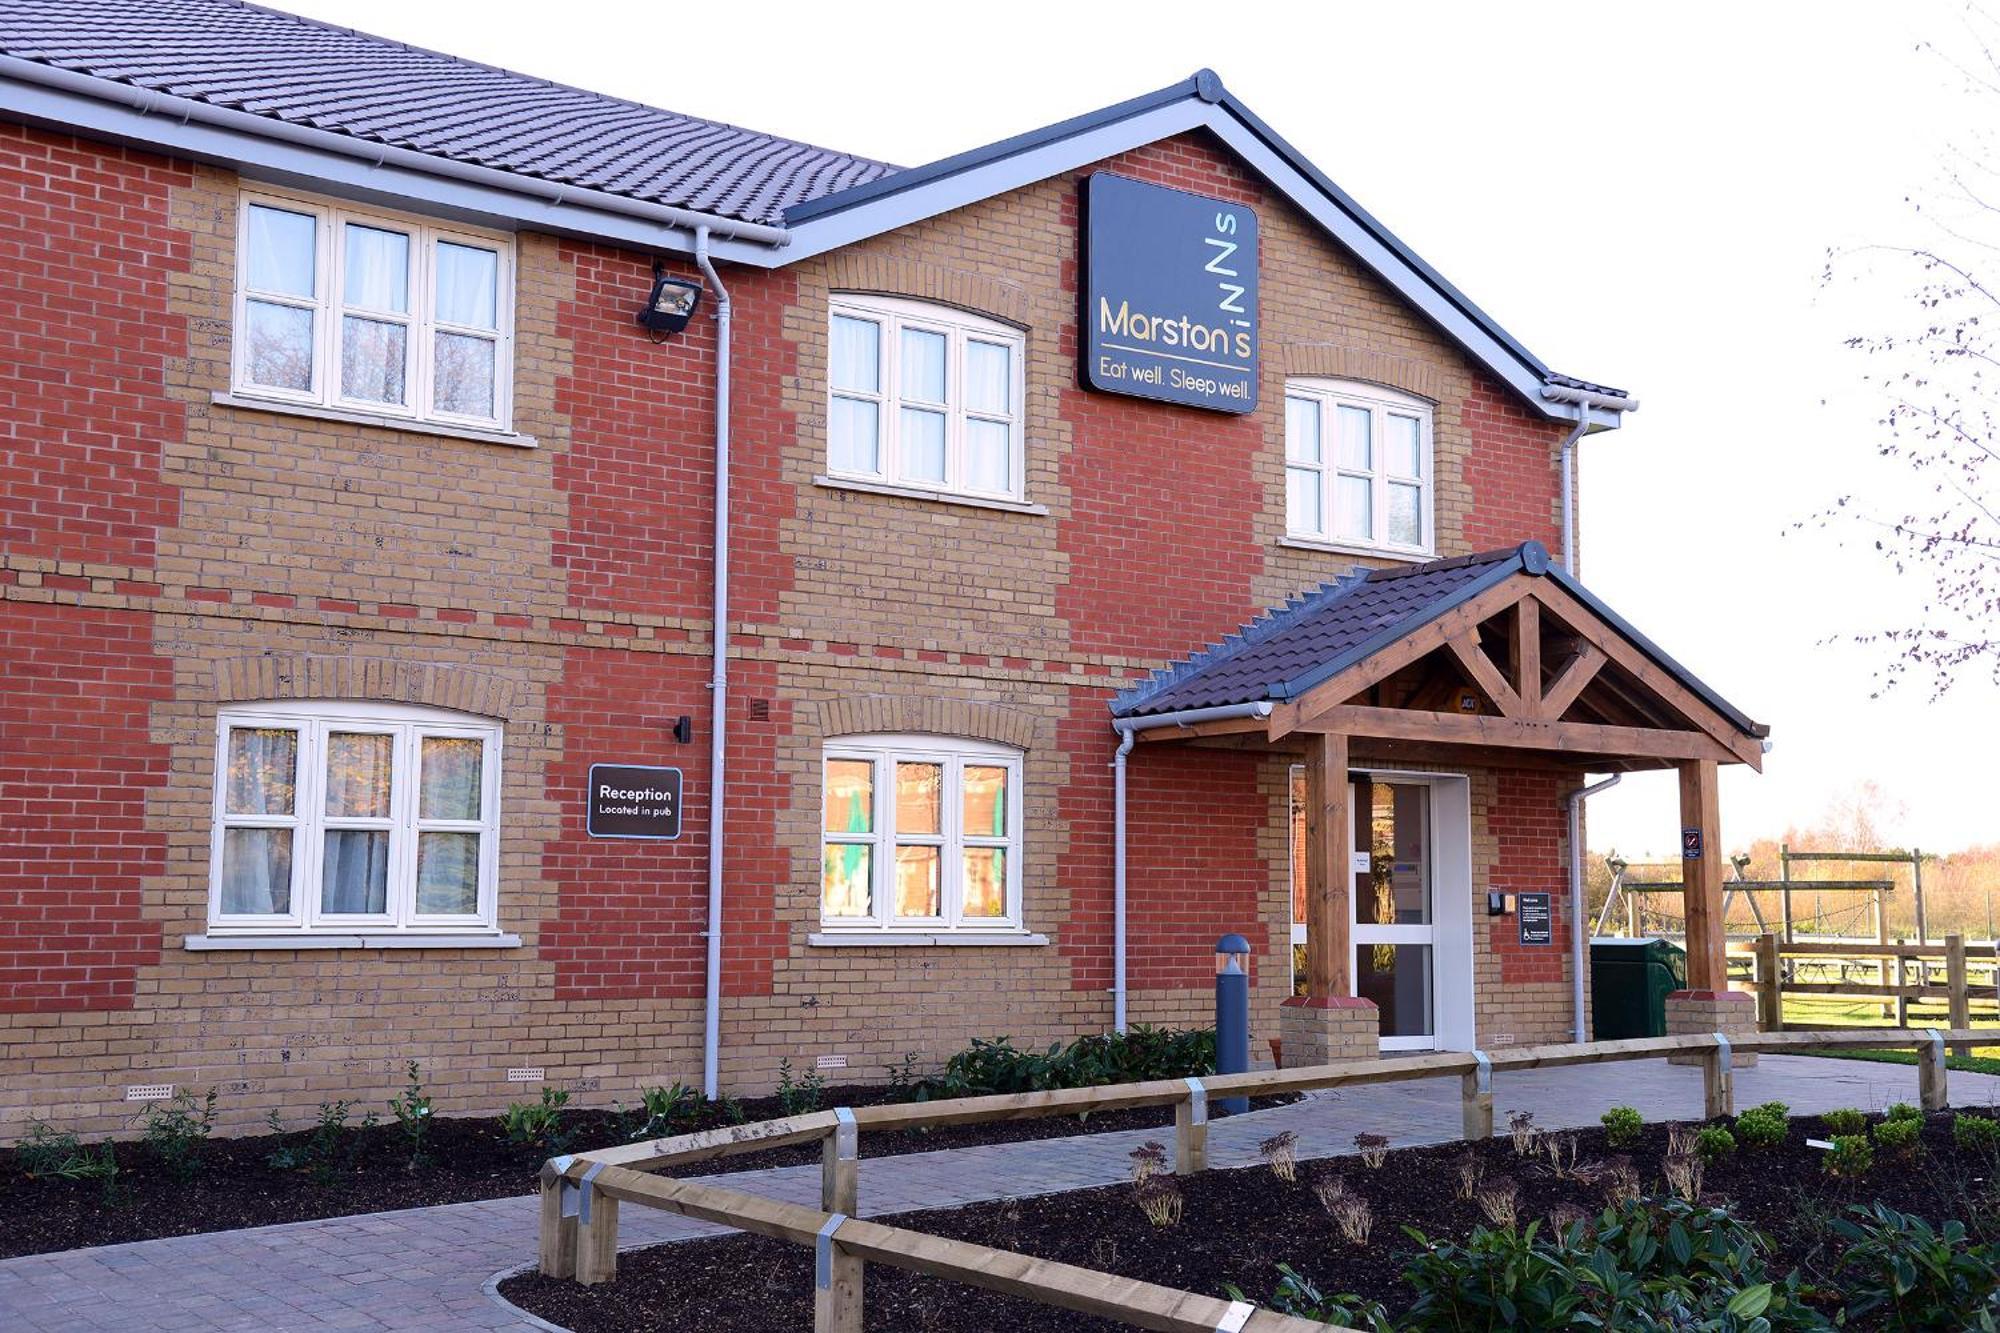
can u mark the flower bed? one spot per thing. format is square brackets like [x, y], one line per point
[1344, 1227]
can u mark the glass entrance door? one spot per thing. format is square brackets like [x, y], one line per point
[1395, 927]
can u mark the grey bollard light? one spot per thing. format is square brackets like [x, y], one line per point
[1232, 1013]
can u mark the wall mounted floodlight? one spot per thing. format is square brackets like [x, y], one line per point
[670, 306]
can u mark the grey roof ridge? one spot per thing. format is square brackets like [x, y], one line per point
[519, 74]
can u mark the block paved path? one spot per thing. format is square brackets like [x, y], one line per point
[426, 1268]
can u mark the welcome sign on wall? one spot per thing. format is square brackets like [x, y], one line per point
[1169, 295]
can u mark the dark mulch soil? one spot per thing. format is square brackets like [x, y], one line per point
[466, 1159]
[1237, 1227]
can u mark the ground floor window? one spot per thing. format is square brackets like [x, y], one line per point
[920, 833]
[337, 816]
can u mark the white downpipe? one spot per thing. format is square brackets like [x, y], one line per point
[1584, 399]
[1578, 941]
[1128, 729]
[718, 680]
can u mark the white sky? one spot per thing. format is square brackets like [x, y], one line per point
[1644, 198]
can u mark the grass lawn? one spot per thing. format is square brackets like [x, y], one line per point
[1840, 1011]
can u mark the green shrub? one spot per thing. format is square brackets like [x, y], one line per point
[1975, 1133]
[538, 1124]
[1851, 1157]
[800, 1097]
[1762, 1126]
[1914, 1276]
[330, 1149]
[1296, 1295]
[1622, 1126]
[1847, 1120]
[51, 1154]
[666, 1111]
[1143, 1053]
[412, 1109]
[1899, 1138]
[1904, 1111]
[176, 1129]
[1714, 1143]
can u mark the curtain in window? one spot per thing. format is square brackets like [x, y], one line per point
[354, 877]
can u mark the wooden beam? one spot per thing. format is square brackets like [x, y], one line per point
[1225, 726]
[1520, 733]
[1701, 876]
[1570, 682]
[1329, 826]
[1465, 647]
[1528, 654]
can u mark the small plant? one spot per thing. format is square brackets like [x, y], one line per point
[1622, 1126]
[51, 1154]
[1281, 1151]
[1851, 1157]
[1621, 1180]
[1374, 1149]
[1899, 1138]
[732, 1110]
[1521, 1125]
[1354, 1218]
[1331, 1191]
[1297, 1296]
[1903, 1111]
[1562, 1150]
[1681, 1139]
[1683, 1172]
[1846, 1120]
[412, 1109]
[1149, 1159]
[1762, 1126]
[1714, 1143]
[667, 1111]
[538, 1125]
[1563, 1216]
[1921, 1277]
[176, 1130]
[1159, 1198]
[1471, 1166]
[903, 1080]
[799, 1096]
[328, 1149]
[1975, 1133]
[1500, 1201]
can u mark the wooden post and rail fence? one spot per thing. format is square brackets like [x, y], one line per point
[581, 1194]
[1776, 965]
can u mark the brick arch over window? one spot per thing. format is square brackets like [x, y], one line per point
[927, 715]
[1338, 362]
[379, 680]
[885, 276]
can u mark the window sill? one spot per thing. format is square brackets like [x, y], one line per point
[384, 940]
[354, 418]
[920, 493]
[916, 939]
[1354, 548]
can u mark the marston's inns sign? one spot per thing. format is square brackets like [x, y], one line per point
[1169, 295]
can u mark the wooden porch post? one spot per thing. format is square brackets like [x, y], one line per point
[1329, 872]
[1701, 877]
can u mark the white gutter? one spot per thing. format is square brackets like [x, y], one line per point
[718, 680]
[1128, 729]
[1578, 941]
[1584, 400]
[184, 110]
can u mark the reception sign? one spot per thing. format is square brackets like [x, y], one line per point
[1169, 295]
[630, 801]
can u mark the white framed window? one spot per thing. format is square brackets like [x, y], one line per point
[1358, 463]
[337, 817]
[920, 833]
[924, 396]
[342, 308]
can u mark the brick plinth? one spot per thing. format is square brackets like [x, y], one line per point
[1324, 1032]
[1729, 1012]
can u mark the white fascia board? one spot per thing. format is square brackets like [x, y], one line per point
[816, 236]
[538, 206]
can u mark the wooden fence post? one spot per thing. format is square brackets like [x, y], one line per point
[840, 1166]
[1476, 1096]
[558, 1234]
[1770, 985]
[1931, 1089]
[1958, 1005]
[1718, 1080]
[837, 1283]
[596, 1232]
[1191, 1130]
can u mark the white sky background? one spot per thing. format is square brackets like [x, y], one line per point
[1644, 198]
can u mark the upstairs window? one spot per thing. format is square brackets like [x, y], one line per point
[1358, 467]
[924, 396]
[369, 312]
[340, 817]
[921, 833]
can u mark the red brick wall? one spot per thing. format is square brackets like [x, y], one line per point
[76, 763]
[87, 261]
[1528, 824]
[1516, 486]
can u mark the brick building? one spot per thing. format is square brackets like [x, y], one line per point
[350, 518]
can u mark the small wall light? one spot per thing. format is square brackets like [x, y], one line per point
[670, 306]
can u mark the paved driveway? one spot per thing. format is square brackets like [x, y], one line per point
[425, 1268]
